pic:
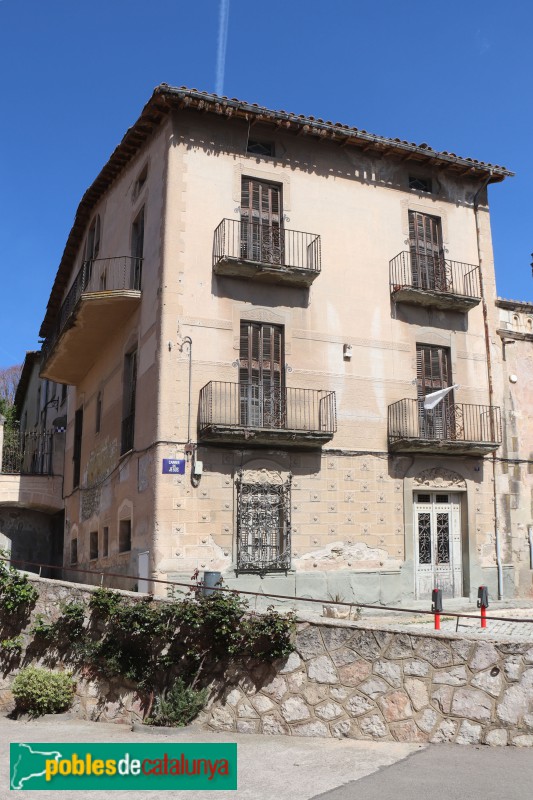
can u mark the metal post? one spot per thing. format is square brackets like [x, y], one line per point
[436, 606]
[483, 604]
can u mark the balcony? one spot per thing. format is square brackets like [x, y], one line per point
[266, 253]
[434, 282]
[454, 428]
[247, 413]
[104, 294]
[31, 466]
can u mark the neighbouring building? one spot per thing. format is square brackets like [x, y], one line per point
[32, 456]
[251, 308]
[515, 459]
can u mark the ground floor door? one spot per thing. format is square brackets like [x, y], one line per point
[438, 557]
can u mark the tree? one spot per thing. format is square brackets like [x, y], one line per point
[9, 379]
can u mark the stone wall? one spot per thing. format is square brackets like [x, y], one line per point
[366, 683]
[345, 679]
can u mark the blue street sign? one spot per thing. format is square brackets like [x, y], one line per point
[173, 466]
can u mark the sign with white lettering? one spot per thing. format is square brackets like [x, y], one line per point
[173, 466]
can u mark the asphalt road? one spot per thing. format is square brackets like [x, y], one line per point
[447, 772]
[297, 768]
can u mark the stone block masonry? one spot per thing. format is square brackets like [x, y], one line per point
[345, 679]
[365, 683]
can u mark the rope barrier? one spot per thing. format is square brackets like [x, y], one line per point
[196, 586]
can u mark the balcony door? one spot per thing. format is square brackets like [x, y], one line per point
[433, 372]
[261, 222]
[261, 376]
[437, 526]
[427, 253]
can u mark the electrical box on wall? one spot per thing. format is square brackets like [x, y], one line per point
[198, 468]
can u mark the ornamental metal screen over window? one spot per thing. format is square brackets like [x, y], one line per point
[263, 526]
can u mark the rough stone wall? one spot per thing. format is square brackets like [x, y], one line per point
[364, 683]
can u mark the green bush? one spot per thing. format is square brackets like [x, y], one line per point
[178, 705]
[39, 691]
[15, 589]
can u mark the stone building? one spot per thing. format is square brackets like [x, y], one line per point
[251, 308]
[515, 459]
[32, 456]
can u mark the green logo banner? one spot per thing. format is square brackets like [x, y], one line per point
[87, 766]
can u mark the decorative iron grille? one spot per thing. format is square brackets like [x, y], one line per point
[263, 526]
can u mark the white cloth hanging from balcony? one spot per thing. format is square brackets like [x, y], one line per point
[432, 399]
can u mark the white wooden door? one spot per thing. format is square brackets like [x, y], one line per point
[437, 529]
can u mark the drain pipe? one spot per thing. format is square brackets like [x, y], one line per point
[530, 537]
[188, 341]
[490, 385]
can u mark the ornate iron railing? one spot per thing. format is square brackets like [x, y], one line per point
[27, 453]
[120, 273]
[433, 272]
[448, 421]
[248, 405]
[263, 525]
[274, 246]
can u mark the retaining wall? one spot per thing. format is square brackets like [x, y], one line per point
[345, 680]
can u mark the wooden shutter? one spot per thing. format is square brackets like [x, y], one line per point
[261, 214]
[261, 374]
[433, 372]
[427, 254]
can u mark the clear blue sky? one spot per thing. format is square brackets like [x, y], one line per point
[74, 75]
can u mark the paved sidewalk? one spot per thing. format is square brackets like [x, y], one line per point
[270, 767]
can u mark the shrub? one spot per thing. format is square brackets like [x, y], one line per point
[39, 691]
[178, 705]
[15, 589]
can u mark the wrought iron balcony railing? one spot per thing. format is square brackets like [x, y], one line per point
[433, 272]
[270, 246]
[121, 273]
[28, 453]
[243, 407]
[462, 425]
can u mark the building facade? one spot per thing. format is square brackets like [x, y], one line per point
[32, 456]
[515, 467]
[250, 312]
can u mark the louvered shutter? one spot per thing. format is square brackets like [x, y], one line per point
[433, 373]
[427, 254]
[261, 374]
[261, 221]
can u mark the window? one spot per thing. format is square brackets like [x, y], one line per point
[263, 525]
[128, 414]
[64, 389]
[139, 183]
[98, 421]
[76, 455]
[137, 249]
[93, 545]
[124, 536]
[428, 266]
[262, 237]
[433, 372]
[260, 148]
[420, 184]
[261, 376]
[92, 248]
[105, 542]
[73, 551]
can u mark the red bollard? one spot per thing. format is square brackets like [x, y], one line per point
[436, 606]
[483, 604]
